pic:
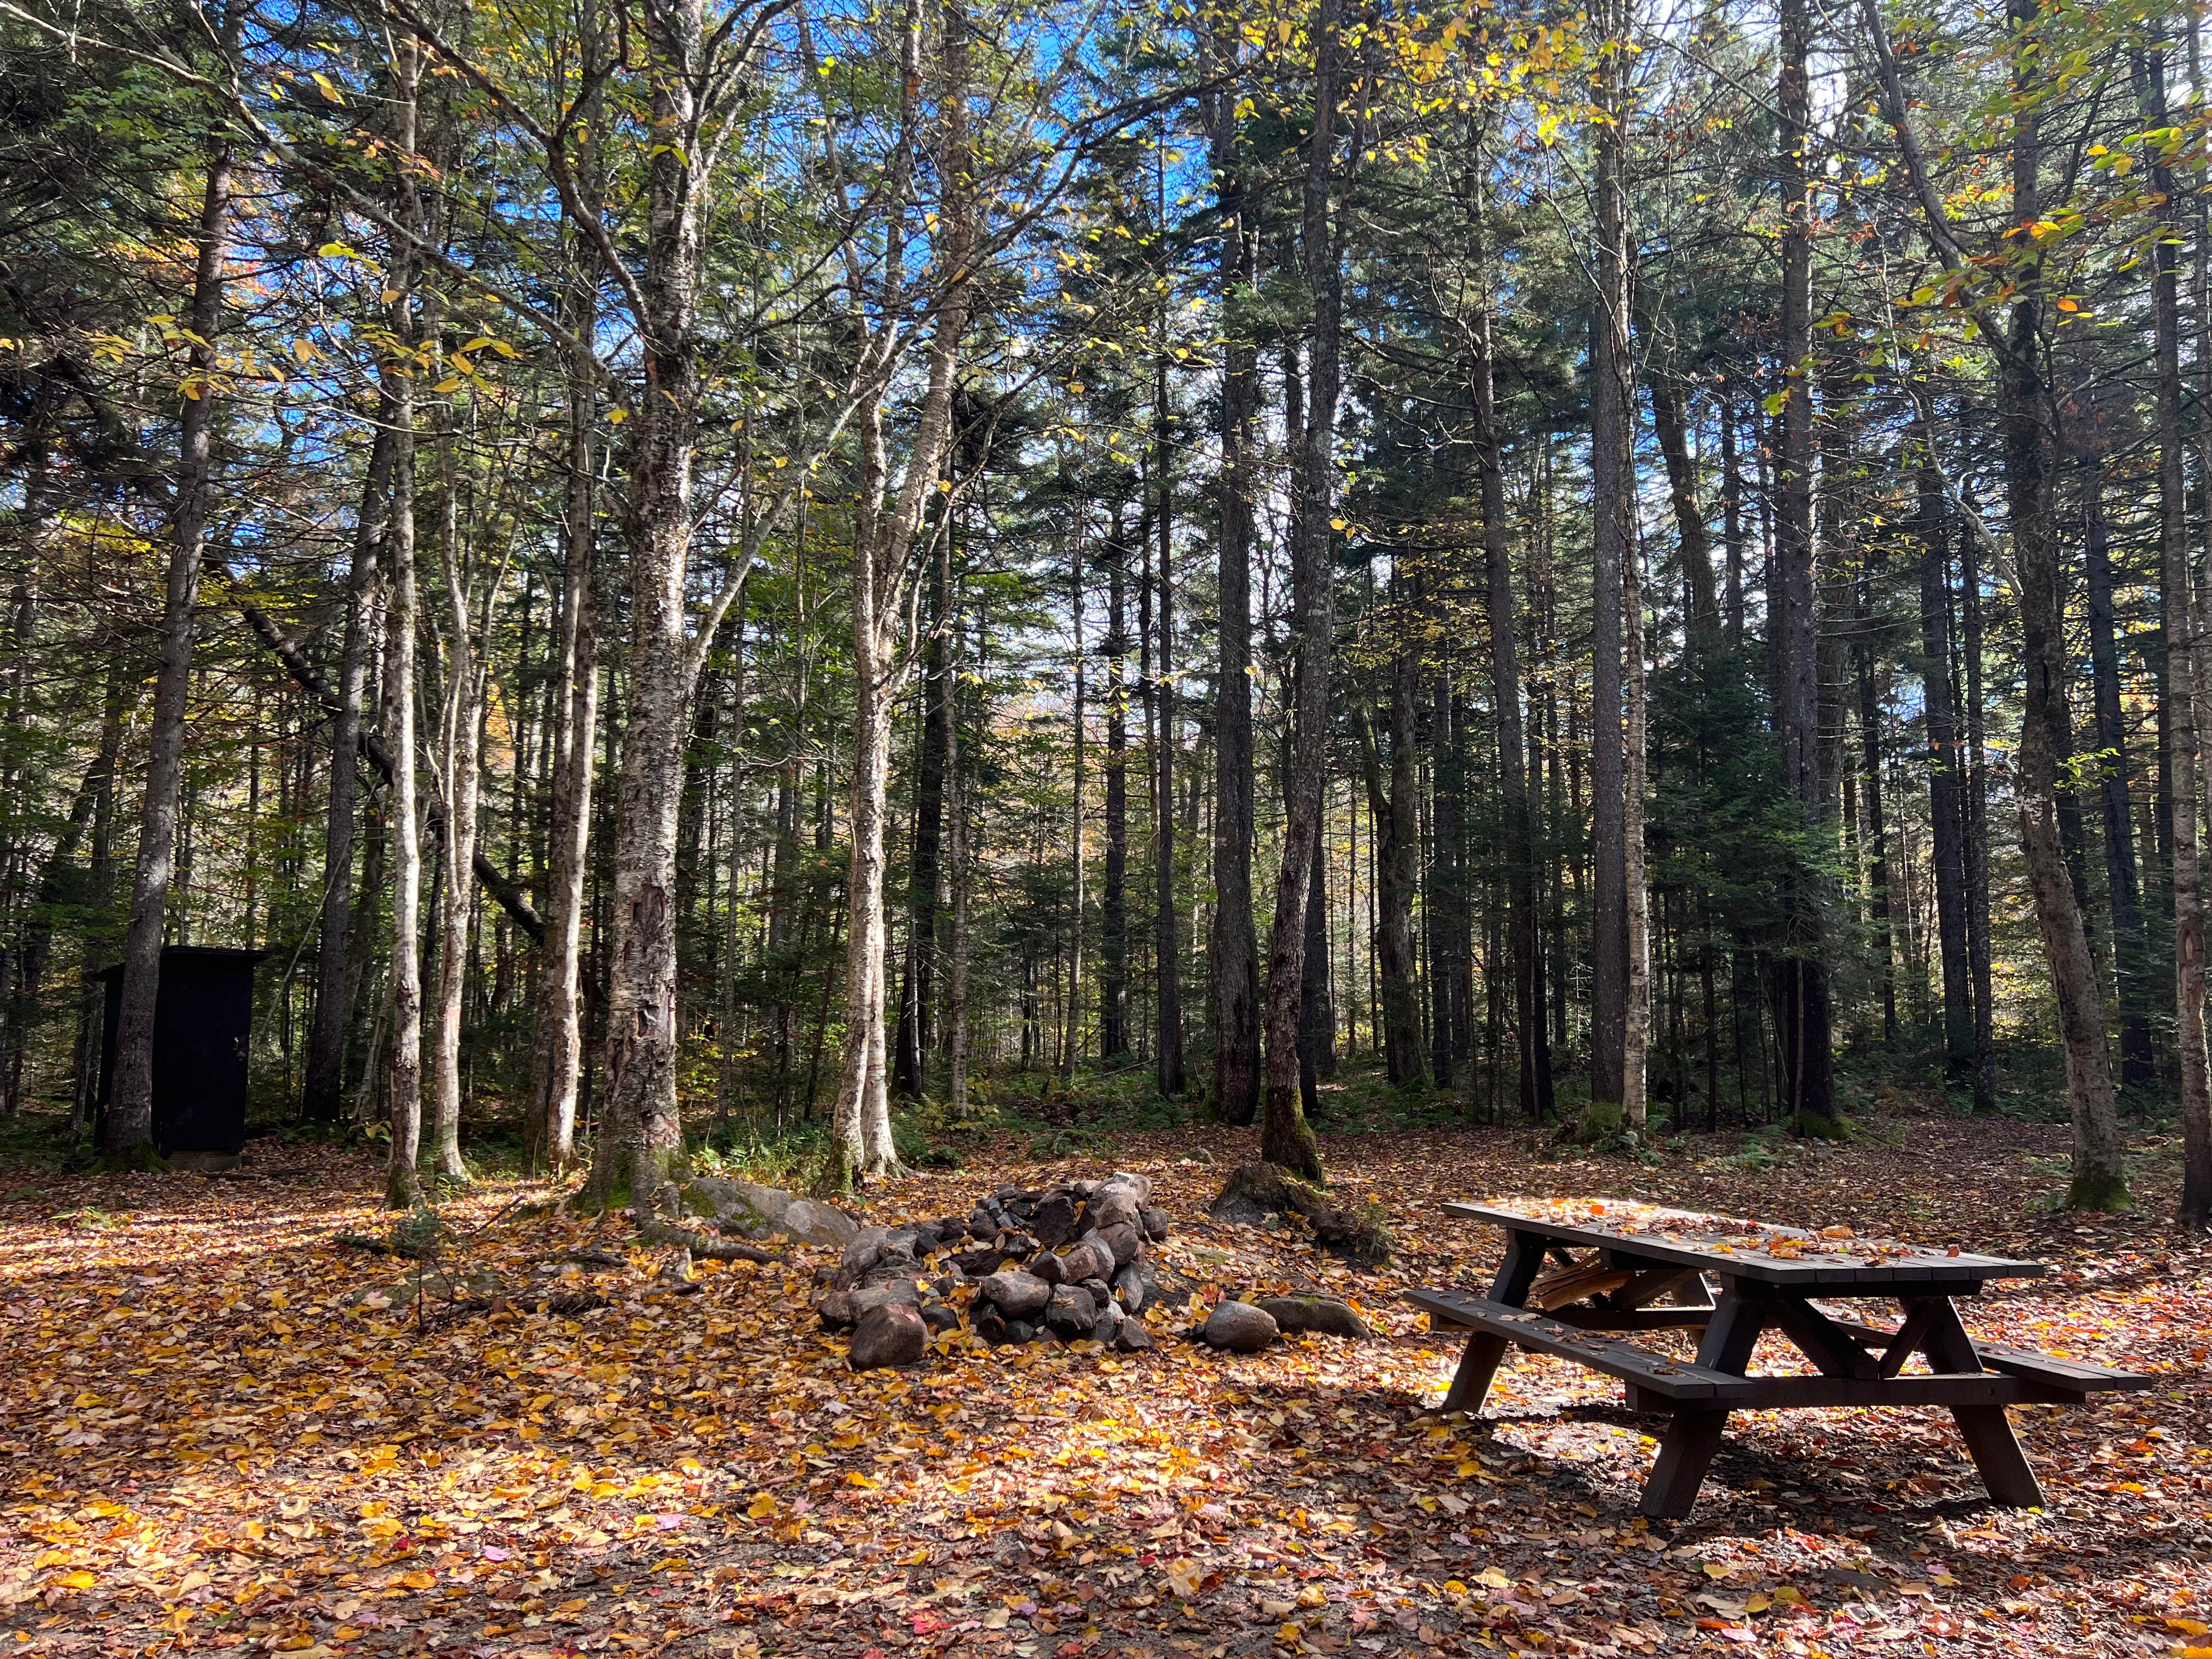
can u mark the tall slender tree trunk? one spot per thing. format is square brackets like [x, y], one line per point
[1803, 1008]
[1946, 770]
[323, 1092]
[964, 851]
[1285, 1138]
[2099, 1174]
[464, 756]
[1167, 951]
[1233, 959]
[641, 1130]
[129, 1126]
[2100, 1180]
[925, 874]
[1877, 826]
[2131, 977]
[1079, 867]
[1613, 497]
[1114, 917]
[1636, 1039]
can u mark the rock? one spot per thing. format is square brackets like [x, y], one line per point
[938, 1318]
[1123, 1239]
[1015, 1242]
[1109, 1323]
[862, 1251]
[1048, 1266]
[1020, 1330]
[1141, 1185]
[807, 1221]
[1018, 1295]
[890, 1292]
[890, 1335]
[1071, 1313]
[1053, 1221]
[1239, 1326]
[1099, 1288]
[1112, 1207]
[1089, 1259]
[982, 1224]
[837, 1311]
[1325, 1315]
[972, 1262]
[1129, 1286]
[1155, 1222]
[1133, 1337]
[990, 1324]
[905, 1240]
[744, 1207]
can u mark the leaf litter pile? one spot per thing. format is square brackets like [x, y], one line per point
[221, 1429]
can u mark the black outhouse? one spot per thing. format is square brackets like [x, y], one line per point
[202, 1020]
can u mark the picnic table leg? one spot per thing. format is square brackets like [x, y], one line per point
[1470, 1384]
[1687, 1451]
[1986, 1429]
[1684, 1456]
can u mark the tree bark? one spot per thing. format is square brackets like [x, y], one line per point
[1285, 1138]
[2102, 1186]
[1612, 493]
[1694, 539]
[130, 1125]
[1802, 998]
[1946, 770]
[1233, 959]
[1167, 951]
[2099, 1174]
[322, 1097]
[1114, 921]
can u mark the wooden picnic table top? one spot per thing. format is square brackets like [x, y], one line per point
[1834, 1261]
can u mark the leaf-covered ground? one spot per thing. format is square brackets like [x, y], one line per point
[213, 1438]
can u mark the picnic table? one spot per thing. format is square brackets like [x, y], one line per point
[1623, 1267]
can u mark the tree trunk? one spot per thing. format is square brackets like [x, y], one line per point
[403, 1082]
[1613, 494]
[323, 1093]
[2130, 968]
[1695, 540]
[1285, 1138]
[1946, 771]
[1636, 1037]
[1398, 863]
[1802, 999]
[640, 1131]
[2102, 1184]
[925, 874]
[1167, 952]
[1233, 959]
[130, 1125]
[965, 850]
[1114, 921]
[463, 738]
[2099, 1174]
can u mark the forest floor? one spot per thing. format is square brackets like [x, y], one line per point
[212, 1438]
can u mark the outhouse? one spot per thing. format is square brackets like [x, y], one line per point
[202, 1020]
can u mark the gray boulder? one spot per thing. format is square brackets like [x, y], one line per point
[807, 1221]
[1047, 1265]
[1053, 1221]
[1071, 1313]
[1089, 1259]
[1133, 1337]
[1324, 1316]
[1112, 1206]
[1017, 1295]
[862, 1251]
[1156, 1222]
[892, 1334]
[1129, 1286]
[1124, 1240]
[1239, 1326]
[837, 1311]
[890, 1292]
[744, 1207]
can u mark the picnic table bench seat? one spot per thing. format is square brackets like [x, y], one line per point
[1658, 1373]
